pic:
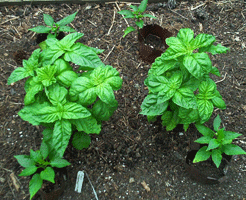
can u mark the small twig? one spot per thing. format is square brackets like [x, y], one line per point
[111, 24]
[92, 23]
[179, 14]
[109, 54]
[11, 189]
[197, 6]
[221, 79]
[122, 15]
[9, 20]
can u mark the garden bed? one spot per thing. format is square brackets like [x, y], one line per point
[129, 151]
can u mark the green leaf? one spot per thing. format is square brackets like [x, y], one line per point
[207, 90]
[202, 155]
[150, 16]
[188, 115]
[18, 74]
[81, 140]
[61, 135]
[40, 29]
[35, 87]
[217, 101]
[29, 171]
[232, 149]
[128, 30]
[66, 29]
[127, 13]
[205, 108]
[103, 111]
[215, 71]
[217, 122]
[216, 157]
[134, 8]
[74, 111]
[67, 20]
[175, 50]
[140, 23]
[151, 107]
[48, 20]
[160, 66]
[202, 40]
[62, 66]
[185, 35]
[185, 98]
[170, 120]
[203, 140]
[198, 64]
[46, 75]
[214, 49]
[68, 41]
[56, 94]
[36, 156]
[83, 56]
[35, 185]
[143, 5]
[48, 174]
[213, 144]
[229, 135]
[59, 163]
[25, 161]
[89, 125]
[205, 130]
[44, 150]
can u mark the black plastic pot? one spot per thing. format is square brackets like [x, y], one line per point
[43, 36]
[206, 172]
[150, 53]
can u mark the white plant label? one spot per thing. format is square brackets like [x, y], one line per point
[79, 181]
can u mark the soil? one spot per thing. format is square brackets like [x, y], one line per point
[130, 158]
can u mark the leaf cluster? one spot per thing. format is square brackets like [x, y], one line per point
[64, 99]
[40, 165]
[180, 89]
[53, 28]
[137, 14]
[219, 141]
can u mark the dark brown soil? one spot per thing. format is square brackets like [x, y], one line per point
[129, 151]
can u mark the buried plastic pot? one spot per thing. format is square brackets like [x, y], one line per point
[52, 191]
[152, 43]
[206, 172]
[43, 36]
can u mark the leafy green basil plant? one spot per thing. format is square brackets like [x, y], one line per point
[180, 89]
[137, 14]
[63, 99]
[53, 28]
[219, 141]
[40, 165]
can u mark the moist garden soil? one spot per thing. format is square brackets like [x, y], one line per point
[130, 158]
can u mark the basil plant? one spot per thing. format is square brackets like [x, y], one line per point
[64, 100]
[180, 88]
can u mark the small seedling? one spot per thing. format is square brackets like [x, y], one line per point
[40, 160]
[137, 14]
[219, 141]
[53, 28]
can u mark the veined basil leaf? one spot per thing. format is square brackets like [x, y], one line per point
[188, 116]
[202, 40]
[61, 66]
[48, 174]
[66, 78]
[185, 97]
[35, 185]
[81, 140]
[61, 135]
[48, 20]
[56, 94]
[151, 107]
[186, 36]
[68, 41]
[198, 64]
[34, 88]
[214, 49]
[205, 108]
[89, 125]
[46, 75]
[103, 111]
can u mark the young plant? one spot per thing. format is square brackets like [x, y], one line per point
[137, 14]
[53, 28]
[65, 100]
[40, 165]
[180, 89]
[219, 141]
